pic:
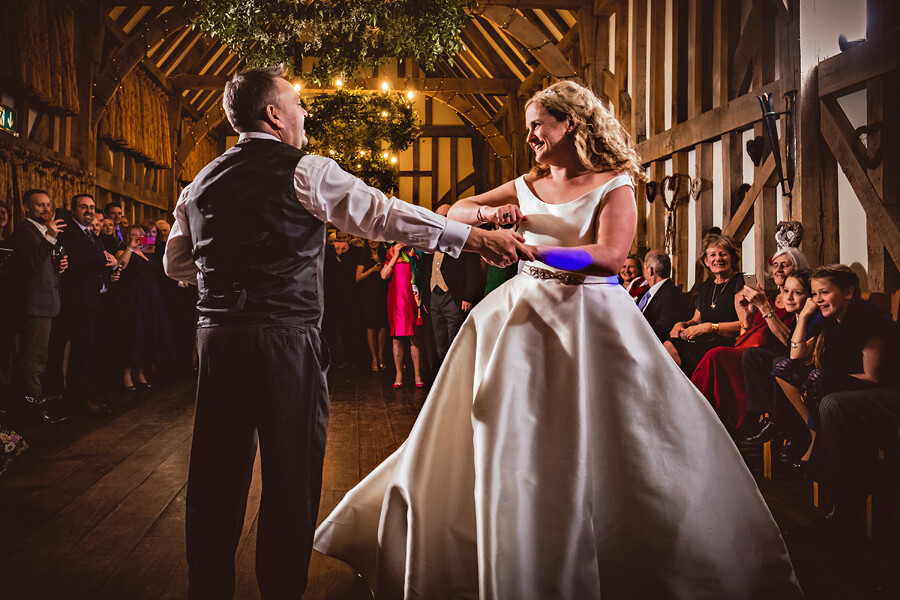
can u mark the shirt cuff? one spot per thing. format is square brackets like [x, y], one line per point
[454, 238]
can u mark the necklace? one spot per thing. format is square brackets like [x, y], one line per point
[716, 293]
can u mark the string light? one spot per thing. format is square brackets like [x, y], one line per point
[410, 94]
[393, 160]
[339, 82]
[385, 155]
[384, 113]
[385, 86]
[298, 87]
[362, 152]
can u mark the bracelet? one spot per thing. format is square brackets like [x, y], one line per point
[769, 315]
[479, 217]
[795, 344]
[715, 328]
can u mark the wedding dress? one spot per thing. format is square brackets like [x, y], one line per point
[561, 454]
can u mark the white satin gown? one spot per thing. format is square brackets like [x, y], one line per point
[561, 454]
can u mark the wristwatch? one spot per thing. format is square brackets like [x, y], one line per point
[769, 315]
[795, 344]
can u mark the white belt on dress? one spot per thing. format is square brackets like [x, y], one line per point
[569, 278]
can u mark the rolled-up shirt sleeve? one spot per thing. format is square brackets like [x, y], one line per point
[178, 260]
[332, 195]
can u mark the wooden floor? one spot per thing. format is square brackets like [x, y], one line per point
[95, 508]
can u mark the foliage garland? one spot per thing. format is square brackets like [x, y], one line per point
[345, 35]
[361, 131]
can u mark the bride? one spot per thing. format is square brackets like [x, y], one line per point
[561, 454]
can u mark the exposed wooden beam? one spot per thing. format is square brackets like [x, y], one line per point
[447, 131]
[540, 4]
[535, 78]
[738, 114]
[837, 132]
[458, 85]
[119, 185]
[740, 222]
[849, 70]
[129, 55]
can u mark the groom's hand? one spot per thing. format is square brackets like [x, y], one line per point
[500, 248]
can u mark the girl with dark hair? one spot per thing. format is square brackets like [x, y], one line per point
[841, 343]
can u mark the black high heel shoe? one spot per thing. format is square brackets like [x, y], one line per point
[144, 385]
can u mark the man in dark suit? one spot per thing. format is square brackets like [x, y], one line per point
[114, 240]
[250, 231]
[87, 276]
[36, 295]
[662, 304]
[455, 286]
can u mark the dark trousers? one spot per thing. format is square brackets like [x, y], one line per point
[446, 319]
[261, 382]
[78, 326]
[764, 395]
[853, 426]
[34, 339]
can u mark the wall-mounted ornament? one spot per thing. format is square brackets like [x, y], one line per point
[788, 234]
[651, 190]
[696, 187]
[869, 153]
[755, 149]
[670, 183]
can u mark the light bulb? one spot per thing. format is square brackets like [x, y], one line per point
[338, 82]
[298, 87]
[385, 86]
[384, 113]
[410, 94]
[393, 160]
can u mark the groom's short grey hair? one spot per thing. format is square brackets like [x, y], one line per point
[247, 95]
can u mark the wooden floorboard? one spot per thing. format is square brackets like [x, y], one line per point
[95, 508]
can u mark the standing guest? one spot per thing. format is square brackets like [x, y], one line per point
[163, 227]
[373, 296]
[456, 284]
[250, 230]
[4, 221]
[36, 298]
[662, 304]
[97, 225]
[768, 324]
[107, 228]
[145, 334]
[81, 285]
[114, 212]
[7, 328]
[341, 321]
[715, 322]
[630, 274]
[403, 305]
[841, 343]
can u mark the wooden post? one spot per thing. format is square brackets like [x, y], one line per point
[639, 70]
[593, 43]
[682, 261]
[732, 173]
[703, 211]
[622, 102]
[657, 83]
[680, 44]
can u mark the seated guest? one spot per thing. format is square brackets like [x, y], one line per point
[715, 322]
[662, 303]
[853, 427]
[764, 399]
[763, 324]
[630, 274]
[841, 343]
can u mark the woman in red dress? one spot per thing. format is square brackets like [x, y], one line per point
[403, 301]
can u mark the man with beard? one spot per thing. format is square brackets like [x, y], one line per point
[37, 300]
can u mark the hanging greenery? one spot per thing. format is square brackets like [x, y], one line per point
[363, 132]
[345, 35]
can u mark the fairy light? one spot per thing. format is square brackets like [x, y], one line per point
[384, 113]
[331, 152]
[298, 87]
[385, 155]
[339, 82]
[393, 160]
[410, 95]
[384, 86]
[362, 152]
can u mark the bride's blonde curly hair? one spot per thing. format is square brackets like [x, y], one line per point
[600, 140]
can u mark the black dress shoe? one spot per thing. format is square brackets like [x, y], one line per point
[790, 451]
[47, 418]
[769, 431]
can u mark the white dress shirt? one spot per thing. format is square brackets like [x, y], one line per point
[42, 229]
[334, 196]
[652, 291]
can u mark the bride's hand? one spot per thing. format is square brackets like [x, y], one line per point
[508, 214]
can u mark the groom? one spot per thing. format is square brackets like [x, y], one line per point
[250, 231]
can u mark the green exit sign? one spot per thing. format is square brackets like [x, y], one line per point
[8, 120]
